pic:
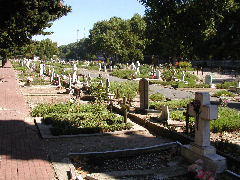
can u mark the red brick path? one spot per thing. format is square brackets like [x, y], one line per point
[22, 155]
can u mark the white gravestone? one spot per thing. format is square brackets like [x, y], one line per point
[105, 68]
[41, 69]
[204, 112]
[110, 69]
[165, 113]
[74, 76]
[183, 76]
[100, 67]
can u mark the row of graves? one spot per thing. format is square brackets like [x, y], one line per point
[200, 148]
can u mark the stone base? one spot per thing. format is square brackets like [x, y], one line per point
[204, 151]
[211, 162]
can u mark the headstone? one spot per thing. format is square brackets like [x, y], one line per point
[208, 80]
[144, 93]
[41, 69]
[132, 66]
[165, 113]
[183, 76]
[70, 82]
[105, 68]
[204, 112]
[100, 67]
[238, 82]
[110, 69]
[158, 74]
[59, 81]
[74, 76]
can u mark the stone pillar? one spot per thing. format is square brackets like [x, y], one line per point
[144, 93]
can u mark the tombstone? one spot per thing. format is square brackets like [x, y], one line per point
[132, 66]
[238, 82]
[204, 112]
[51, 76]
[41, 69]
[165, 113]
[158, 74]
[110, 69]
[107, 83]
[183, 76]
[100, 67]
[208, 80]
[59, 81]
[105, 68]
[74, 76]
[28, 64]
[138, 64]
[70, 82]
[144, 93]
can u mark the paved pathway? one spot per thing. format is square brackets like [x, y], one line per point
[22, 155]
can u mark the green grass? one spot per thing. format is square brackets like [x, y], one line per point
[174, 104]
[224, 93]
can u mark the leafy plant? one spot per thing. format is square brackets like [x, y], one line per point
[224, 93]
[228, 120]
[174, 104]
[178, 115]
[122, 73]
[226, 85]
[157, 97]
[73, 118]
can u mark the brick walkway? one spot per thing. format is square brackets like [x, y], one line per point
[22, 155]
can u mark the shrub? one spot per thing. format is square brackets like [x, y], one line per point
[178, 115]
[157, 97]
[122, 73]
[224, 93]
[228, 120]
[226, 85]
[174, 104]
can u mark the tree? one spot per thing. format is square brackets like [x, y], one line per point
[77, 50]
[191, 28]
[118, 39]
[46, 49]
[21, 19]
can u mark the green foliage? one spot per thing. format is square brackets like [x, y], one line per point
[224, 93]
[174, 104]
[157, 97]
[183, 64]
[226, 85]
[193, 29]
[118, 38]
[129, 88]
[228, 120]
[178, 116]
[74, 118]
[22, 19]
[168, 74]
[122, 73]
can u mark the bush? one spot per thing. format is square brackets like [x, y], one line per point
[157, 97]
[228, 120]
[174, 104]
[178, 115]
[224, 93]
[226, 85]
[184, 64]
[122, 73]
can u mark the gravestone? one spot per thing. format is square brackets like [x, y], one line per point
[204, 112]
[110, 69]
[165, 113]
[183, 76]
[59, 81]
[158, 74]
[41, 69]
[107, 85]
[105, 68]
[144, 93]
[100, 67]
[74, 76]
[208, 80]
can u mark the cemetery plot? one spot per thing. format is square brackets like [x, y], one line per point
[143, 163]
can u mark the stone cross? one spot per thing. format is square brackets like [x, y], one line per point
[203, 112]
[74, 77]
[144, 93]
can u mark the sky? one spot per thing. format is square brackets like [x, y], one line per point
[83, 16]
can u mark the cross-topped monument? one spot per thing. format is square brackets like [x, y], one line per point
[204, 112]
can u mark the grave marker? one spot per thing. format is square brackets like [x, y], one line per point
[158, 74]
[203, 112]
[144, 93]
[208, 80]
[41, 69]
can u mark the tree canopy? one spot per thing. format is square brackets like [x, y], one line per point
[21, 19]
[199, 29]
[118, 39]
